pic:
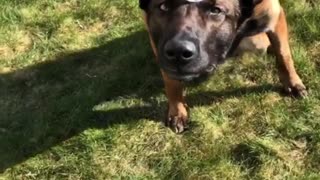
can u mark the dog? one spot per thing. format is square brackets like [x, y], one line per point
[190, 38]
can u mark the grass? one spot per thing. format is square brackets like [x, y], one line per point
[81, 98]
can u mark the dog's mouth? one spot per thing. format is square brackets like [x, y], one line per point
[198, 77]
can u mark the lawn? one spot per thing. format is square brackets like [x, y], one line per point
[82, 98]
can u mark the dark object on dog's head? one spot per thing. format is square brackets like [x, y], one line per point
[143, 4]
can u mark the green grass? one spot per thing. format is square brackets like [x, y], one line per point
[81, 98]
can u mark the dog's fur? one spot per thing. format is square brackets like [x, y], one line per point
[216, 29]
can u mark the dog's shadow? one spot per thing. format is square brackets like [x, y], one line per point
[45, 104]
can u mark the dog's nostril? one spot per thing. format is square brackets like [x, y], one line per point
[188, 51]
[187, 54]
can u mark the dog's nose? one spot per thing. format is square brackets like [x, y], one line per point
[181, 51]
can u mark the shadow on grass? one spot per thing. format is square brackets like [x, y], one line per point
[247, 157]
[48, 103]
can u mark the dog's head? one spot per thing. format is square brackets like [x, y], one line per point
[193, 36]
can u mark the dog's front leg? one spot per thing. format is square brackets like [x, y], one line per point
[280, 45]
[177, 117]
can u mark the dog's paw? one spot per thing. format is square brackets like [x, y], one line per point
[177, 117]
[178, 124]
[297, 90]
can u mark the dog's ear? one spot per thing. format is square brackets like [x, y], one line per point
[246, 8]
[247, 24]
[143, 4]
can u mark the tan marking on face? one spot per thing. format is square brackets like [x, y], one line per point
[229, 6]
[150, 37]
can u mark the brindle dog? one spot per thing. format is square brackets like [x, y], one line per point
[191, 37]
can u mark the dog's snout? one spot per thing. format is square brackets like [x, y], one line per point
[181, 51]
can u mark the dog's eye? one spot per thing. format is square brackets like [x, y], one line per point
[215, 10]
[164, 7]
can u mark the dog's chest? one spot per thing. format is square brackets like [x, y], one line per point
[256, 44]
